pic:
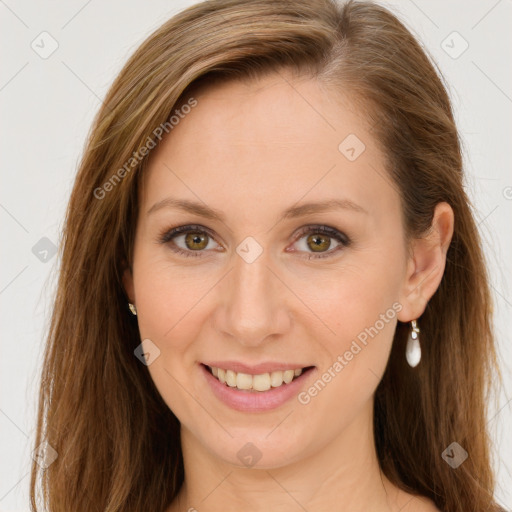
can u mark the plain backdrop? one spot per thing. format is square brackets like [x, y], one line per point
[47, 104]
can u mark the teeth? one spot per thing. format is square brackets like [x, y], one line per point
[243, 381]
[276, 379]
[288, 376]
[261, 382]
[231, 378]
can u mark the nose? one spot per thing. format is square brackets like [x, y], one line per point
[253, 303]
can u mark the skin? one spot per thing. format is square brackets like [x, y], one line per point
[251, 150]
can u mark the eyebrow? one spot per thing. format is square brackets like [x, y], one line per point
[207, 212]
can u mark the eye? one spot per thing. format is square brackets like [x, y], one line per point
[319, 238]
[192, 240]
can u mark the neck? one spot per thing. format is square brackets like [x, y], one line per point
[344, 475]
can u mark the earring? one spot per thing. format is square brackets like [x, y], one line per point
[132, 308]
[413, 349]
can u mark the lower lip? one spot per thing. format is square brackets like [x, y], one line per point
[255, 401]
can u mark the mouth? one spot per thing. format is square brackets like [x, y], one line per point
[260, 382]
[256, 389]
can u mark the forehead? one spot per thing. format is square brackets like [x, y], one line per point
[276, 108]
[265, 141]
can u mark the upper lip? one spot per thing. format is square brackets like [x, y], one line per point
[254, 369]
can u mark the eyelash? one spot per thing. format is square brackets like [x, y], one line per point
[168, 235]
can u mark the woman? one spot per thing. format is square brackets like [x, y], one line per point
[272, 293]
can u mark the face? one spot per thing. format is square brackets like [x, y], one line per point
[268, 285]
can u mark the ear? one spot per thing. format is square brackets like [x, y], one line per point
[128, 281]
[426, 264]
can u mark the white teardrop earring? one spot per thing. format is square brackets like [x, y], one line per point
[132, 308]
[413, 348]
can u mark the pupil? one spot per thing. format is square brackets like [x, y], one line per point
[195, 239]
[320, 240]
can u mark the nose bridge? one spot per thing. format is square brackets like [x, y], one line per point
[253, 309]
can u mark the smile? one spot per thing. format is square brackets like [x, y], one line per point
[265, 388]
[260, 382]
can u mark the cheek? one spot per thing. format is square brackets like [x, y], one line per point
[357, 345]
[353, 298]
[174, 308]
[167, 294]
[359, 306]
[354, 357]
[170, 314]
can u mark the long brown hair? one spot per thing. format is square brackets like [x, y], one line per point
[118, 443]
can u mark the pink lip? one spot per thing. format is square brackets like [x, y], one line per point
[256, 369]
[255, 401]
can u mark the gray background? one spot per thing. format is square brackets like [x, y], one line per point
[47, 106]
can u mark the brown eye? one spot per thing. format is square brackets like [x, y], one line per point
[188, 240]
[318, 243]
[195, 241]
